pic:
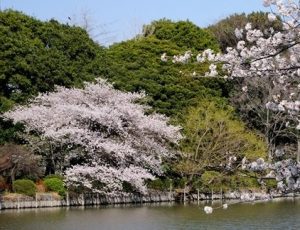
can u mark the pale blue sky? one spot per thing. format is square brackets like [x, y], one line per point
[116, 20]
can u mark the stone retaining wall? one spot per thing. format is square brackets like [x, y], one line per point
[85, 200]
[90, 199]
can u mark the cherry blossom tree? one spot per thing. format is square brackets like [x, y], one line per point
[254, 106]
[271, 57]
[116, 141]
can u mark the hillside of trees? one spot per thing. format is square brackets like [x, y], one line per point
[132, 126]
[136, 66]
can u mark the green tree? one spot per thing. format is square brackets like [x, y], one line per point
[184, 34]
[216, 140]
[224, 29]
[135, 65]
[37, 55]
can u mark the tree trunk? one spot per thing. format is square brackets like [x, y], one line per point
[12, 177]
[184, 194]
[50, 163]
[267, 136]
[298, 150]
[49, 167]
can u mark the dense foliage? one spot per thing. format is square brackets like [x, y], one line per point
[184, 34]
[136, 66]
[224, 30]
[37, 55]
[216, 140]
[55, 185]
[214, 136]
[24, 186]
[9, 132]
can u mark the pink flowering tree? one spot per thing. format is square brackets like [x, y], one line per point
[268, 65]
[272, 57]
[118, 144]
[268, 62]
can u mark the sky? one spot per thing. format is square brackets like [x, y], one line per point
[116, 20]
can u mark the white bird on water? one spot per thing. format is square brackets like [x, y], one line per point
[208, 209]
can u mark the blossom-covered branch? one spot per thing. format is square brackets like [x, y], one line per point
[265, 54]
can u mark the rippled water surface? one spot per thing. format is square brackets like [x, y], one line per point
[283, 214]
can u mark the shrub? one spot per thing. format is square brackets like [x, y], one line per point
[159, 184]
[271, 184]
[54, 176]
[24, 186]
[55, 185]
[211, 180]
[248, 182]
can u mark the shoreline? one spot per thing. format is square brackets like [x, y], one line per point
[89, 199]
[45, 200]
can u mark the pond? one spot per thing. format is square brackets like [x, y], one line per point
[276, 214]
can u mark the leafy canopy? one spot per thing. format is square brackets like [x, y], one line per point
[35, 56]
[135, 65]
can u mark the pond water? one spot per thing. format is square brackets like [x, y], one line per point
[277, 214]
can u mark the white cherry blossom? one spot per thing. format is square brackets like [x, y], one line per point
[120, 143]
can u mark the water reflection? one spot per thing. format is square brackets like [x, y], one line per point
[277, 214]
